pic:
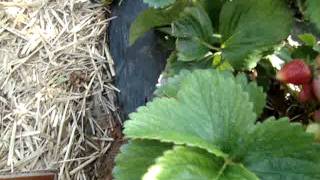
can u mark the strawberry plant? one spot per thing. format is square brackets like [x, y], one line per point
[206, 129]
[237, 35]
[241, 94]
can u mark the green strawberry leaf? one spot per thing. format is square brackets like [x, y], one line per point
[249, 27]
[136, 157]
[308, 39]
[313, 11]
[304, 52]
[266, 71]
[291, 138]
[173, 66]
[159, 3]
[316, 48]
[194, 34]
[194, 164]
[212, 115]
[256, 94]
[213, 8]
[152, 18]
[171, 87]
[190, 49]
[278, 149]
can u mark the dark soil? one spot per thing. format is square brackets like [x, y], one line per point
[114, 150]
[107, 162]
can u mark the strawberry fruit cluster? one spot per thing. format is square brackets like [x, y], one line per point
[298, 72]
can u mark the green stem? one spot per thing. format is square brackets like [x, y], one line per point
[225, 165]
[210, 46]
[207, 44]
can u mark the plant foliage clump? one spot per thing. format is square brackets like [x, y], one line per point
[203, 123]
[241, 32]
[207, 130]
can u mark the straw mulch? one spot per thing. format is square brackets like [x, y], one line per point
[57, 108]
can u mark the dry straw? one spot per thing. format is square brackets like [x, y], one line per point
[56, 98]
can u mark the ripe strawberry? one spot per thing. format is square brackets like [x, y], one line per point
[295, 72]
[306, 94]
[316, 87]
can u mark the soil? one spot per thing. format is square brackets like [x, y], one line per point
[107, 162]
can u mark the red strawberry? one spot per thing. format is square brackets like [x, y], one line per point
[316, 87]
[306, 94]
[295, 72]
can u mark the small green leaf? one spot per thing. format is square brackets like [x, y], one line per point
[256, 94]
[284, 53]
[250, 27]
[190, 49]
[159, 3]
[136, 157]
[194, 34]
[308, 39]
[184, 163]
[171, 87]
[152, 18]
[211, 111]
[173, 66]
[316, 48]
[313, 11]
[217, 59]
